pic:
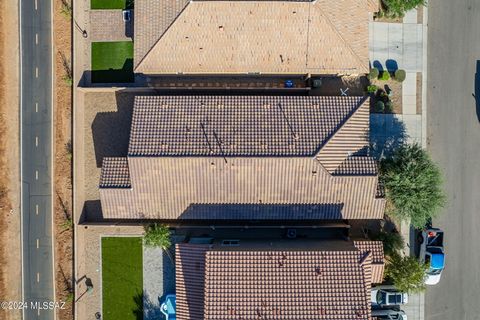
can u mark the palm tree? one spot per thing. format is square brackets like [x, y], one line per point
[158, 236]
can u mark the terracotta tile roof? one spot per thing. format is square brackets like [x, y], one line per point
[375, 248]
[115, 173]
[272, 284]
[357, 166]
[176, 166]
[243, 125]
[190, 280]
[297, 37]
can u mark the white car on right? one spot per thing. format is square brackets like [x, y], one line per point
[388, 296]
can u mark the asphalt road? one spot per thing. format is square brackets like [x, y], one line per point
[454, 140]
[36, 131]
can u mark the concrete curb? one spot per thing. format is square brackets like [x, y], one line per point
[424, 76]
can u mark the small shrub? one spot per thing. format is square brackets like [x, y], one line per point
[400, 75]
[388, 106]
[379, 14]
[379, 106]
[67, 79]
[66, 9]
[68, 76]
[385, 76]
[69, 149]
[372, 88]
[397, 8]
[69, 297]
[67, 224]
[373, 73]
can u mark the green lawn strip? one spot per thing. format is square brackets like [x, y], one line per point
[111, 4]
[112, 62]
[122, 278]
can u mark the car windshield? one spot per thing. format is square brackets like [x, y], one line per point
[381, 297]
[394, 298]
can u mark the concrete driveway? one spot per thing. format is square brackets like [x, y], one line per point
[454, 140]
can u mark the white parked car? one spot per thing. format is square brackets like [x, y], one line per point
[389, 314]
[388, 296]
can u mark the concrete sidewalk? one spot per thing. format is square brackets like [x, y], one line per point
[402, 46]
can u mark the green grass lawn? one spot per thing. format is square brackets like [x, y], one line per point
[112, 62]
[122, 278]
[111, 4]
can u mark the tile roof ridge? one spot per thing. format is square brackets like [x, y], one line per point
[365, 258]
[161, 36]
[339, 34]
[356, 109]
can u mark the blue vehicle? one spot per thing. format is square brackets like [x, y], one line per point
[432, 253]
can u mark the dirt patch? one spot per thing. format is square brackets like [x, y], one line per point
[395, 96]
[353, 85]
[63, 158]
[389, 20]
[10, 251]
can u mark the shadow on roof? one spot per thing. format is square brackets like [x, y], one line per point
[270, 212]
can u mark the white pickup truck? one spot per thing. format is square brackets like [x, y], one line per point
[432, 253]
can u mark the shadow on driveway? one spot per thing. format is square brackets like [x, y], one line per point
[387, 133]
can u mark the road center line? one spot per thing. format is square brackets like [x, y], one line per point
[36, 174]
[38, 277]
[36, 141]
[36, 72]
[36, 5]
[36, 38]
[38, 243]
[36, 209]
[38, 312]
[36, 106]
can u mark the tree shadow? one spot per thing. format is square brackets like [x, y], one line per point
[139, 301]
[476, 95]
[148, 307]
[387, 133]
[391, 65]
